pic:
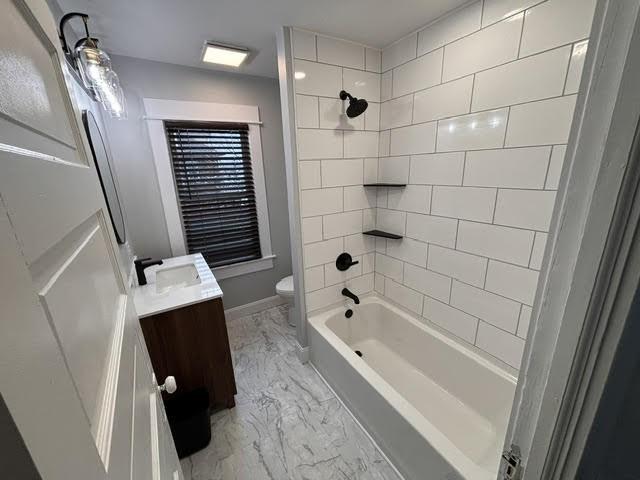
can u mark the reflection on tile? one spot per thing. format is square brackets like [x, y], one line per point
[287, 424]
[473, 132]
[361, 84]
[317, 78]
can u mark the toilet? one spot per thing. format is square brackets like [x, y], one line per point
[284, 288]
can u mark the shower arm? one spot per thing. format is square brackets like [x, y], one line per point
[344, 95]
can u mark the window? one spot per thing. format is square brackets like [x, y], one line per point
[208, 159]
[214, 184]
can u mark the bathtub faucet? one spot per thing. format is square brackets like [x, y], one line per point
[347, 293]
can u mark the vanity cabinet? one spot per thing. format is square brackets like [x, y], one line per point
[191, 343]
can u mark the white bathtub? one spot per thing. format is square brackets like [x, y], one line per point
[437, 410]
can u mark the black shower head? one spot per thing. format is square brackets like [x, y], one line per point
[356, 106]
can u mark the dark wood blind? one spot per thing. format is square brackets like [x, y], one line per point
[212, 170]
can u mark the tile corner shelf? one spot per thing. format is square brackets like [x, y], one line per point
[399, 185]
[380, 233]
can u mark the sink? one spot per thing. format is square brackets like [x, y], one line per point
[179, 282]
[176, 277]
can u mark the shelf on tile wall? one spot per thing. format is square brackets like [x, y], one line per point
[380, 233]
[385, 185]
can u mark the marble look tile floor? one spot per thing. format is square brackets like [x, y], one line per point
[286, 424]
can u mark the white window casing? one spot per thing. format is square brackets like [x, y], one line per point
[157, 112]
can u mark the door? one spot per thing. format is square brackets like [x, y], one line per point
[582, 290]
[73, 373]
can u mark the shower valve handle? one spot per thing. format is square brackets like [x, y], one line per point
[344, 261]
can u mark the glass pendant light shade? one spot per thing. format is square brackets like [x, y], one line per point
[111, 95]
[93, 63]
[94, 68]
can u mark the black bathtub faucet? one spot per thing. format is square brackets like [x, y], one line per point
[348, 293]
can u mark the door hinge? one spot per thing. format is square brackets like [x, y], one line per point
[511, 464]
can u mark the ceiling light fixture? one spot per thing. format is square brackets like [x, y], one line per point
[224, 54]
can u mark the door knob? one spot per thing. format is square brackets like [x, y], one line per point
[169, 385]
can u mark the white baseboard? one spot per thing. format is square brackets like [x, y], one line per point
[253, 307]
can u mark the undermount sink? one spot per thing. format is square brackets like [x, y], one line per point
[176, 277]
[178, 282]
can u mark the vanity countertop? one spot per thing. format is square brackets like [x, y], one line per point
[149, 301]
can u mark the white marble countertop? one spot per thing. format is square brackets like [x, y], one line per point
[149, 301]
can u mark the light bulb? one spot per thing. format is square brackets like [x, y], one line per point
[92, 62]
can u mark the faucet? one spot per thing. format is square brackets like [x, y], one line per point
[347, 293]
[141, 264]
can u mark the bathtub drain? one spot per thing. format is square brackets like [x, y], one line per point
[359, 353]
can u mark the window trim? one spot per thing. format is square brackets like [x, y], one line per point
[157, 112]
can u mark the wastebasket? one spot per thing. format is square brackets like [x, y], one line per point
[188, 415]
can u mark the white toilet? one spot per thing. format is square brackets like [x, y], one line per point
[284, 288]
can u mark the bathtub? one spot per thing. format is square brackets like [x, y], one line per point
[435, 408]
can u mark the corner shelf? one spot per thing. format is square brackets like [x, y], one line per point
[399, 185]
[380, 233]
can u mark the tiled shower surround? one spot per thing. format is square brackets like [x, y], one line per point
[336, 155]
[473, 112]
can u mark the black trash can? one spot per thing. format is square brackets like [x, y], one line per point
[188, 415]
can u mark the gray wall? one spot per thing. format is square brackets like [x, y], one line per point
[135, 169]
[85, 102]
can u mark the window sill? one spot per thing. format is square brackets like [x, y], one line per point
[244, 268]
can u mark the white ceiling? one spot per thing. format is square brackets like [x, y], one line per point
[174, 31]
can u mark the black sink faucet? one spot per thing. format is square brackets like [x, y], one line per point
[348, 293]
[141, 264]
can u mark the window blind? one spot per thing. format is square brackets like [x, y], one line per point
[214, 182]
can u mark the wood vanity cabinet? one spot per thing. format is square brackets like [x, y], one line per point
[191, 343]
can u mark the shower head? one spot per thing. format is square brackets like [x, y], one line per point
[356, 106]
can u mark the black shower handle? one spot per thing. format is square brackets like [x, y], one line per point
[344, 261]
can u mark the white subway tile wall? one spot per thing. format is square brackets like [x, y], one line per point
[441, 101]
[496, 10]
[486, 48]
[339, 52]
[575, 67]
[373, 60]
[473, 113]
[452, 27]
[304, 45]
[476, 109]
[336, 155]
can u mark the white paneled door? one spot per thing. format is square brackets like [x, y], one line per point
[74, 371]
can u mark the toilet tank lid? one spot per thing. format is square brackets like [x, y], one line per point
[285, 285]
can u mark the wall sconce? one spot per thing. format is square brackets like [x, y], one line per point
[93, 65]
